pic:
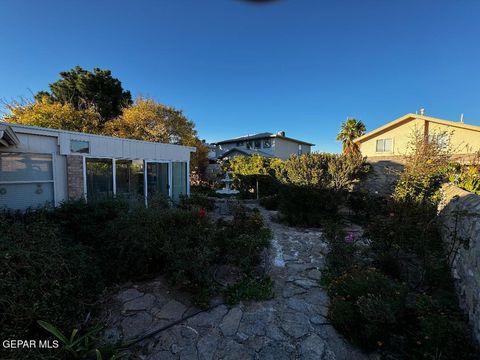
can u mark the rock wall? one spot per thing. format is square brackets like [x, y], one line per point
[383, 177]
[459, 217]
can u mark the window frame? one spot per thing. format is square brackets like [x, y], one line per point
[383, 142]
[52, 181]
[80, 152]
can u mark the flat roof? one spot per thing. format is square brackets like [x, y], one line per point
[27, 129]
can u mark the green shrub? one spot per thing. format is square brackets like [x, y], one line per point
[241, 241]
[43, 275]
[84, 222]
[196, 201]
[269, 202]
[249, 289]
[439, 330]
[468, 177]
[149, 241]
[366, 306]
[343, 252]
[307, 206]
[247, 185]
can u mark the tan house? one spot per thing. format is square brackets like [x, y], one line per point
[391, 140]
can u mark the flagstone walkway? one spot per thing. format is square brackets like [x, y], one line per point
[290, 326]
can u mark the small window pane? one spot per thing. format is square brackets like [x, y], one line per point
[266, 143]
[157, 179]
[380, 146]
[129, 178]
[179, 180]
[99, 178]
[79, 146]
[258, 144]
[25, 167]
[388, 145]
[240, 143]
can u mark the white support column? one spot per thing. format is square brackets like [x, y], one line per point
[84, 178]
[188, 178]
[145, 183]
[170, 178]
[114, 180]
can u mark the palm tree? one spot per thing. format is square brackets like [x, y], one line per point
[349, 131]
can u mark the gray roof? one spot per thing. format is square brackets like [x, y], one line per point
[247, 152]
[263, 135]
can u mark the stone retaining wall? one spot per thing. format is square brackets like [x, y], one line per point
[460, 214]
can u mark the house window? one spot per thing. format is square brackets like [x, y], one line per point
[99, 178]
[442, 139]
[266, 143]
[179, 180]
[158, 179]
[26, 180]
[257, 144]
[79, 146]
[129, 178]
[249, 144]
[239, 143]
[299, 149]
[384, 145]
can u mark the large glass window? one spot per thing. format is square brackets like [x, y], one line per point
[384, 145]
[26, 180]
[99, 178]
[266, 143]
[129, 178]
[157, 179]
[179, 180]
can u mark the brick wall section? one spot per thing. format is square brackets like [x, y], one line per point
[74, 177]
[460, 209]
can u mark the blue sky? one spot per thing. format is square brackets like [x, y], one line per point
[301, 66]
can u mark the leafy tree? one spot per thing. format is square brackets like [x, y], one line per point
[84, 89]
[149, 120]
[349, 131]
[45, 113]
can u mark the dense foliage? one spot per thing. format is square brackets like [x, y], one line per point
[95, 102]
[84, 89]
[56, 262]
[393, 292]
[349, 131]
[307, 189]
[426, 167]
[467, 176]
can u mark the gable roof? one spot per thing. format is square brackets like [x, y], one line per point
[263, 135]
[408, 117]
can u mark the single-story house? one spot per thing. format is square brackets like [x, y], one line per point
[41, 166]
[390, 141]
[265, 144]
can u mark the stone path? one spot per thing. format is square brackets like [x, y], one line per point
[290, 326]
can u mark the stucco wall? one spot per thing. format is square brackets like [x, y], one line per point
[401, 136]
[463, 141]
[285, 148]
[461, 210]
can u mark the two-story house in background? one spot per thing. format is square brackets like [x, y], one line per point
[265, 144]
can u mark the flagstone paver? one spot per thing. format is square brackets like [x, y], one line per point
[290, 326]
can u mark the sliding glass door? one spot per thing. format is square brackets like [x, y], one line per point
[129, 178]
[179, 180]
[158, 176]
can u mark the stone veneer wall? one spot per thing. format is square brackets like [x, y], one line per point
[74, 176]
[466, 267]
[383, 177]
